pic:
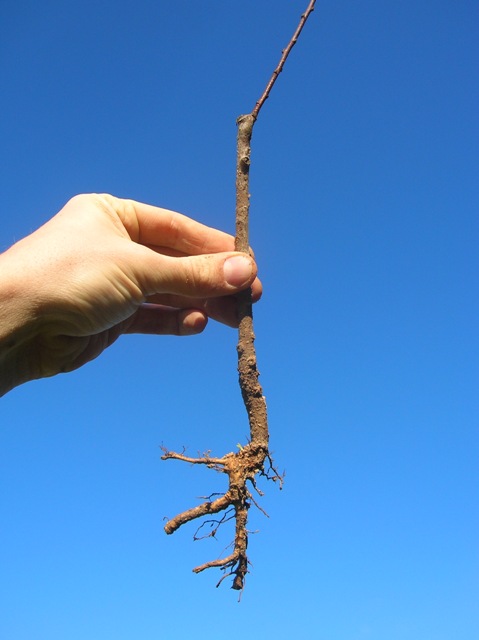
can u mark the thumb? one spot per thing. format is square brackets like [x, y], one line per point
[203, 276]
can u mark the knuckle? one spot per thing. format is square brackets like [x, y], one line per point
[200, 274]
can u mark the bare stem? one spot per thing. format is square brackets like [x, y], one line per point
[248, 373]
[247, 367]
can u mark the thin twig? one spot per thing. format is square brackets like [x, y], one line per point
[280, 66]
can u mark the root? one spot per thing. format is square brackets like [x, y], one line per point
[240, 468]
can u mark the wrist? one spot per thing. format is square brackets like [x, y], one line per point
[18, 326]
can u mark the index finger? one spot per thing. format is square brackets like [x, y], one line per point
[150, 225]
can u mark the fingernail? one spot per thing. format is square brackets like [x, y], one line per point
[237, 270]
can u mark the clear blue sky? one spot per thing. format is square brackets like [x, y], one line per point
[364, 220]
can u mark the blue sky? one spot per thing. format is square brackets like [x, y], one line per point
[364, 223]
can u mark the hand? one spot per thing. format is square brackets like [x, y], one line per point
[103, 267]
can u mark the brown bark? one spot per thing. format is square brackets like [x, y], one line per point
[251, 390]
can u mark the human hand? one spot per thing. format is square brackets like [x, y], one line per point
[104, 266]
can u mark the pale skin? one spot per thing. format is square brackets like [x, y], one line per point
[103, 267]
